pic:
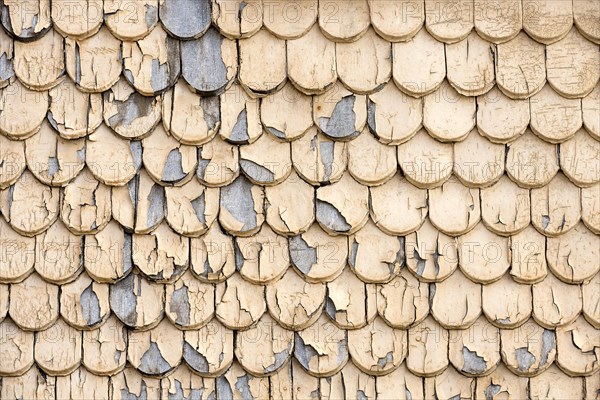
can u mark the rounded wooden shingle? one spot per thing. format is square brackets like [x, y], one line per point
[188, 117]
[253, 386]
[59, 255]
[240, 116]
[238, 18]
[128, 113]
[212, 256]
[398, 207]
[448, 116]
[377, 349]
[74, 113]
[364, 66]
[290, 20]
[339, 113]
[567, 301]
[505, 207]
[84, 304]
[293, 302]
[318, 159]
[58, 349]
[397, 21]
[80, 383]
[556, 207]
[419, 64]
[475, 351]
[478, 162]
[531, 162]
[483, 256]
[137, 302]
[130, 382]
[573, 256]
[456, 301]
[189, 303]
[40, 64]
[29, 206]
[591, 301]
[311, 62]
[266, 161]
[111, 159]
[12, 160]
[403, 301]
[343, 21]
[242, 207]
[218, 163]
[431, 255]
[351, 303]
[553, 117]
[449, 21]
[16, 349]
[162, 255]
[580, 159]
[18, 254]
[286, 114]
[369, 161]
[166, 160]
[547, 21]
[427, 348]
[209, 63]
[152, 64]
[506, 303]
[573, 65]
[107, 253]
[23, 111]
[239, 304]
[28, 385]
[498, 21]
[208, 351]
[586, 14]
[590, 207]
[375, 256]
[342, 208]
[502, 381]
[185, 19]
[85, 204]
[392, 116]
[53, 160]
[156, 352]
[131, 20]
[290, 206]
[94, 63]
[105, 348]
[321, 354]
[454, 208]
[262, 258]
[578, 352]
[555, 384]
[265, 348]
[26, 20]
[262, 63]
[426, 162]
[529, 349]
[191, 208]
[78, 19]
[521, 67]
[318, 256]
[500, 118]
[470, 64]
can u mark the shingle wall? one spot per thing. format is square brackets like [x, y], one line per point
[300, 199]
